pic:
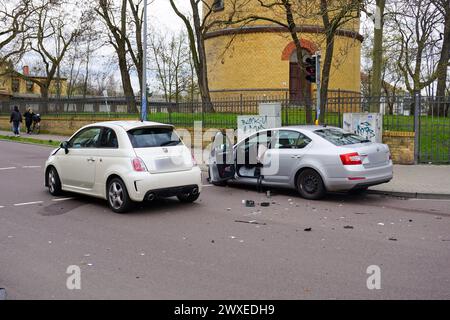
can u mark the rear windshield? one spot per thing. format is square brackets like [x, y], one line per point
[340, 137]
[153, 137]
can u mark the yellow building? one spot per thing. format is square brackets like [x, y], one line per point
[17, 87]
[259, 58]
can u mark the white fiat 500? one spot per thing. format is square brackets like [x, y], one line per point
[124, 162]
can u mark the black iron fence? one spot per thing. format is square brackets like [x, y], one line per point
[428, 117]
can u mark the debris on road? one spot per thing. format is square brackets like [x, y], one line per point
[228, 209]
[212, 241]
[268, 194]
[307, 229]
[251, 222]
[265, 204]
[392, 239]
[348, 227]
[249, 203]
[2, 294]
[380, 223]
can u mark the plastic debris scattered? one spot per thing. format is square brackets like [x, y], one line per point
[392, 239]
[380, 223]
[348, 227]
[251, 222]
[307, 229]
[249, 203]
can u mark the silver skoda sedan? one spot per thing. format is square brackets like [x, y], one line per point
[311, 159]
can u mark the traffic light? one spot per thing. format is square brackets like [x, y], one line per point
[310, 67]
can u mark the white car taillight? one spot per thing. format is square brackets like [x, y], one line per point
[351, 159]
[138, 165]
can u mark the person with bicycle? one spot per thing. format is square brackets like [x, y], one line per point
[36, 123]
[28, 115]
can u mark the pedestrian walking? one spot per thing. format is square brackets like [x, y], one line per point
[16, 120]
[28, 115]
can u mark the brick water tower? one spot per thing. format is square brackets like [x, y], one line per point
[259, 58]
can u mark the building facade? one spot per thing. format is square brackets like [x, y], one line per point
[14, 87]
[258, 58]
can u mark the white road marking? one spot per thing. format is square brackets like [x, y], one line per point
[8, 168]
[62, 199]
[207, 185]
[27, 203]
[1, 207]
[416, 199]
[31, 167]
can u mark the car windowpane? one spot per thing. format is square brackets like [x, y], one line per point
[153, 137]
[340, 137]
[109, 139]
[86, 139]
[285, 139]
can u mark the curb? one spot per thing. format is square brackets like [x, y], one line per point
[412, 195]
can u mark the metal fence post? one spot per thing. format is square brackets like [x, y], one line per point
[417, 105]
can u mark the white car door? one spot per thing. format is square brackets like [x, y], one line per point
[77, 166]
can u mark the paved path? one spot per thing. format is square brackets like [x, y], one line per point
[216, 248]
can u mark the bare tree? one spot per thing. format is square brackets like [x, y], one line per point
[334, 15]
[171, 57]
[13, 28]
[416, 24]
[444, 8]
[50, 25]
[197, 25]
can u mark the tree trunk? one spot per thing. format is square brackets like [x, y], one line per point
[377, 54]
[445, 54]
[326, 75]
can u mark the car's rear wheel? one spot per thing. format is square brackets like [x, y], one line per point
[53, 182]
[118, 199]
[310, 185]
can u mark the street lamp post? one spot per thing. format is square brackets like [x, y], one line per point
[144, 67]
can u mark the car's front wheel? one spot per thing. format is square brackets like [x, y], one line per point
[310, 185]
[53, 182]
[118, 199]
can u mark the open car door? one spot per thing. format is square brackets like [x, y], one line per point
[221, 160]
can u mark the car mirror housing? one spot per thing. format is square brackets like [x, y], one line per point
[65, 145]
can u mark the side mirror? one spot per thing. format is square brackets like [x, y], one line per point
[65, 145]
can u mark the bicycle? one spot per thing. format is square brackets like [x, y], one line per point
[36, 128]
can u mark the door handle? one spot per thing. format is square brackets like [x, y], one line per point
[90, 159]
[296, 156]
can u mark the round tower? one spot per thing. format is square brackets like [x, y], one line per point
[258, 58]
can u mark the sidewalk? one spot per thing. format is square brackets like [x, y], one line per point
[415, 181]
[36, 136]
[418, 181]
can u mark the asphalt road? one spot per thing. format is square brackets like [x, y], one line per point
[169, 250]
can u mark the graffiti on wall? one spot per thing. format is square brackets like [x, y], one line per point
[250, 124]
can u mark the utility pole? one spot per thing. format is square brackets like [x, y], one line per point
[144, 67]
[318, 83]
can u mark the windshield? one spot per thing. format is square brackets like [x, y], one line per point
[153, 137]
[340, 137]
